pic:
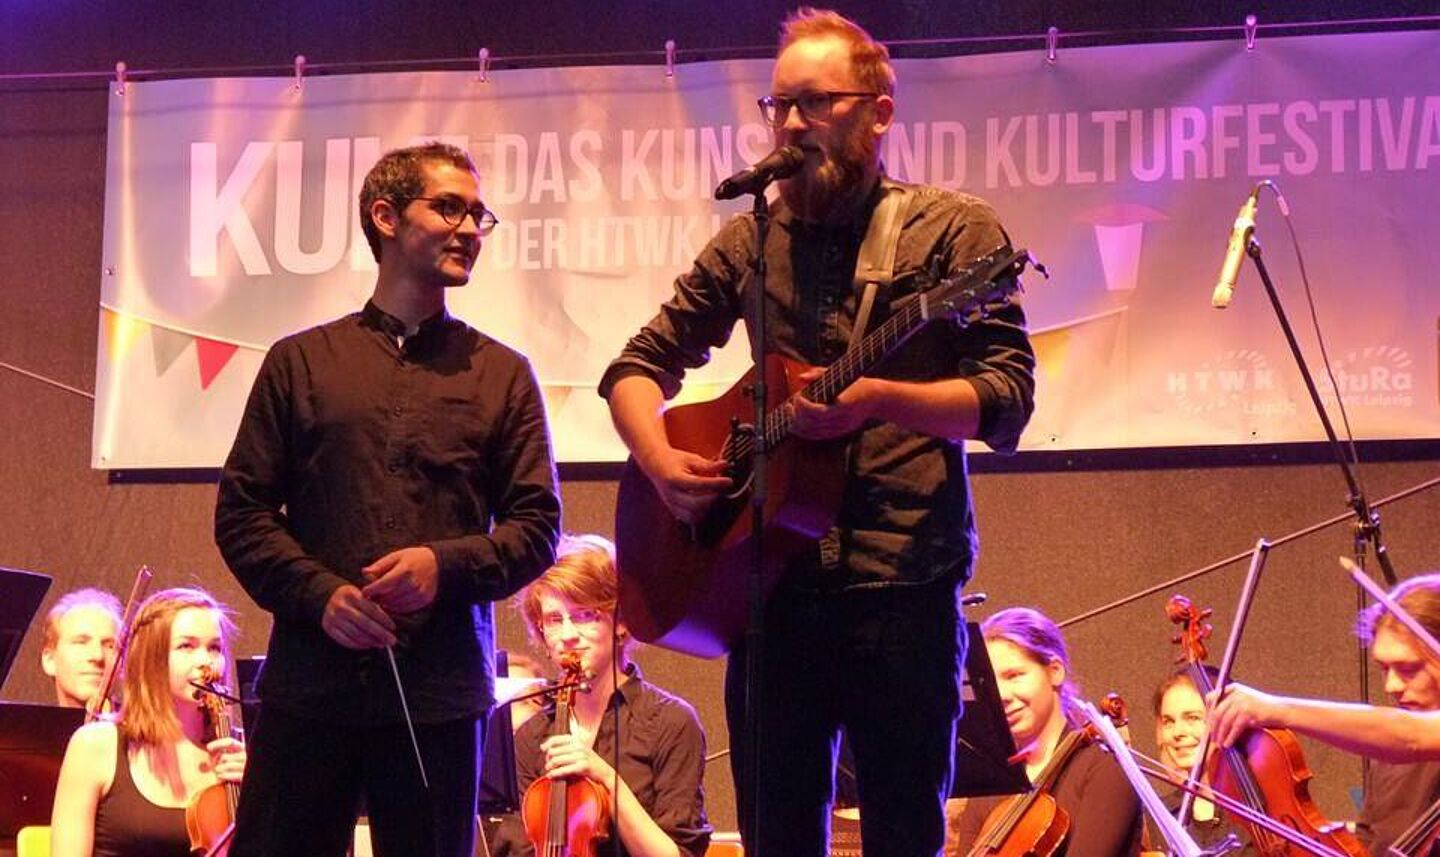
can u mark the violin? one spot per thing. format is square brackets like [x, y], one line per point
[1266, 771]
[1033, 824]
[210, 814]
[101, 702]
[566, 818]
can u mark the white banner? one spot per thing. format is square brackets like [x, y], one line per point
[231, 221]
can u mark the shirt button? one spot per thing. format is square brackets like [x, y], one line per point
[398, 410]
[389, 523]
[392, 467]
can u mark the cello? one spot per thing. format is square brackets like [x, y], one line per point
[565, 818]
[210, 814]
[1266, 772]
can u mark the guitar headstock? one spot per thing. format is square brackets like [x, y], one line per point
[985, 285]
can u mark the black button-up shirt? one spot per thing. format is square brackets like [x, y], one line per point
[356, 441]
[662, 760]
[905, 516]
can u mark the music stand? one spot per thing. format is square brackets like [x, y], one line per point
[247, 674]
[32, 746]
[983, 743]
[499, 790]
[20, 595]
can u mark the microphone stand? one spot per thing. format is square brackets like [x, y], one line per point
[759, 493]
[1367, 520]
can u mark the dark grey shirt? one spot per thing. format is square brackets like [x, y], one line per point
[905, 516]
[354, 445]
[662, 760]
[1395, 797]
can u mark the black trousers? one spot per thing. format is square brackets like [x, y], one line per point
[305, 778]
[884, 664]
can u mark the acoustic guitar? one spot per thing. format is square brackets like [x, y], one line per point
[684, 587]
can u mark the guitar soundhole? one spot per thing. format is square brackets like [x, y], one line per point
[729, 506]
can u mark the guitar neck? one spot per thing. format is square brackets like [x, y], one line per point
[853, 364]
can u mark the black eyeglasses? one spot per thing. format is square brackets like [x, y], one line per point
[453, 210]
[814, 106]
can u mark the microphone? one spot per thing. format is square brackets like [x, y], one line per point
[1235, 253]
[781, 163]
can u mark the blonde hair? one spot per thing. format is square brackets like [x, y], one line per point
[869, 60]
[87, 597]
[148, 715]
[1039, 637]
[1419, 596]
[584, 575]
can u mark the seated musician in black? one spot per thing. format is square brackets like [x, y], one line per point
[660, 805]
[1405, 739]
[1179, 731]
[1032, 671]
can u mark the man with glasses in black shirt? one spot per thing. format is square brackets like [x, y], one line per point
[391, 477]
[865, 632]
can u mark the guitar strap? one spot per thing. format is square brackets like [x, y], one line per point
[875, 266]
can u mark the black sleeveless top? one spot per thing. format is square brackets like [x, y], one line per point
[129, 825]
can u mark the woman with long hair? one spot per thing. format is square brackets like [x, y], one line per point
[126, 780]
[1038, 692]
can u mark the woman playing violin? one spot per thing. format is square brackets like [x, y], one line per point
[658, 803]
[126, 780]
[1032, 670]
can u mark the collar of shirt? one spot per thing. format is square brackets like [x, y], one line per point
[377, 318]
[628, 690]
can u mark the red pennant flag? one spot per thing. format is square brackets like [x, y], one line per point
[212, 357]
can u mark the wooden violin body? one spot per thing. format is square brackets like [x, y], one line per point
[1266, 771]
[580, 807]
[1036, 825]
[210, 814]
[566, 818]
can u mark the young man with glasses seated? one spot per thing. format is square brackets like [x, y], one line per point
[659, 803]
[865, 633]
[391, 477]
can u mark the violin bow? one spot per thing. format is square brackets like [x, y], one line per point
[1156, 770]
[1374, 591]
[1232, 649]
[1181, 843]
[96, 706]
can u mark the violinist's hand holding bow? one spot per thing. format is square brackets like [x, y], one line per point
[1242, 709]
[568, 756]
[227, 757]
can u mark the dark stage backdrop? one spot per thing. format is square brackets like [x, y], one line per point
[1064, 534]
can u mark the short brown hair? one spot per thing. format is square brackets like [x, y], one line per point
[1419, 596]
[869, 60]
[148, 715]
[87, 597]
[584, 574]
[397, 177]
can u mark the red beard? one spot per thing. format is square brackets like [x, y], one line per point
[823, 193]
